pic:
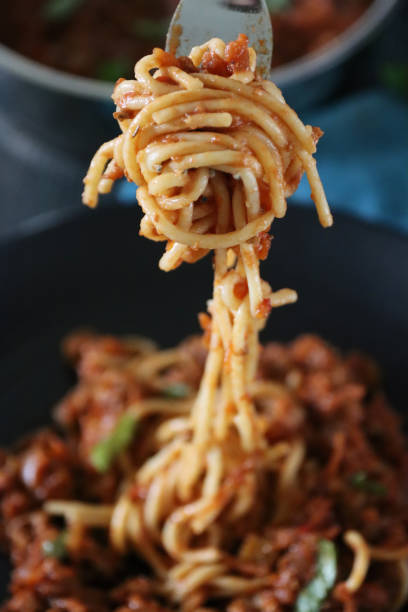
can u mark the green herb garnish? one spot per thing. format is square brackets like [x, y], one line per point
[60, 10]
[111, 70]
[277, 6]
[105, 452]
[177, 390]
[56, 548]
[395, 77]
[361, 480]
[316, 591]
[151, 29]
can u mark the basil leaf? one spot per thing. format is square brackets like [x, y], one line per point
[56, 548]
[150, 29]
[60, 10]
[277, 6]
[395, 77]
[106, 451]
[360, 480]
[111, 70]
[177, 390]
[316, 591]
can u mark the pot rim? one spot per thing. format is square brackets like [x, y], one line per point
[307, 67]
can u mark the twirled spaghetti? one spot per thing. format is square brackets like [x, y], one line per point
[215, 158]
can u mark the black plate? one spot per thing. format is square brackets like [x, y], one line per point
[94, 269]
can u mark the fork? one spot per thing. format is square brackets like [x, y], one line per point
[196, 21]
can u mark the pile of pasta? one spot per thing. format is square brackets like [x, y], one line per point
[215, 151]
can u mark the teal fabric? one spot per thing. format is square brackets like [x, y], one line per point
[363, 157]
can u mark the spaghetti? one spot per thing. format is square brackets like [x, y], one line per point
[324, 475]
[215, 158]
[249, 466]
[215, 151]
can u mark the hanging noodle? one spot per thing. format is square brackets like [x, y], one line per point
[215, 156]
[361, 560]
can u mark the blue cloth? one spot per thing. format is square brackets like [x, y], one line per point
[362, 158]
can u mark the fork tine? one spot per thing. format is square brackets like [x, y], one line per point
[196, 21]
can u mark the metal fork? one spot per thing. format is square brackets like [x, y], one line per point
[196, 21]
